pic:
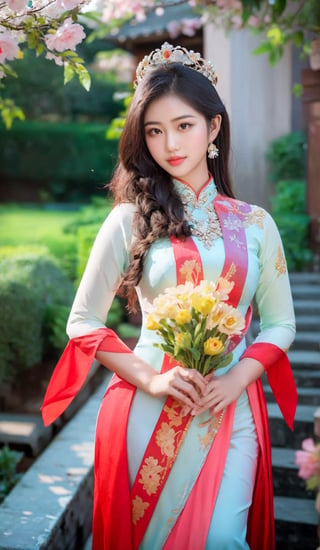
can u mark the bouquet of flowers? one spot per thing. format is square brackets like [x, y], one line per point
[196, 324]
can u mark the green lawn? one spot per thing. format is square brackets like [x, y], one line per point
[32, 225]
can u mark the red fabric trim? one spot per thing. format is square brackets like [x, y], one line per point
[261, 532]
[199, 507]
[112, 526]
[73, 368]
[280, 377]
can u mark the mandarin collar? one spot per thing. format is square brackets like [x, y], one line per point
[188, 196]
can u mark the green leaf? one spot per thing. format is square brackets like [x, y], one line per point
[69, 72]
[84, 77]
[265, 47]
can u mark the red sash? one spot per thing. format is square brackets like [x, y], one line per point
[157, 460]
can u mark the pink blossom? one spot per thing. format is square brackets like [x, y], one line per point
[174, 29]
[9, 48]
[17, 5]
[66, 5]
[307, 459]
[190, 26]
[254, 21]
[229, 5]
[55, 58]
[67, 37]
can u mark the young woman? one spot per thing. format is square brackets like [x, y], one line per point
[182, 460]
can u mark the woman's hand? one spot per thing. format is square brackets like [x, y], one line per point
[221, 391]
[186, 385]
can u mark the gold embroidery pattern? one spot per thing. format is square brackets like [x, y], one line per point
[208, 228]
[154, 470]
[138, 509]
[165, 440]
[280, 263]
[190, 270]
[150, 475]
[255, 217]
[231, 271]
[213, 423]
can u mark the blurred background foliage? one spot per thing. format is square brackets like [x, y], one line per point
[287, 162]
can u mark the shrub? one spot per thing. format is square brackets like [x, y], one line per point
[42, 275]
[9, 476]
[20, 328]
[286, 156]
[93, 214]
[55, 326]
[67, 161]
[29, 283]
[86, 237]
[288, 209]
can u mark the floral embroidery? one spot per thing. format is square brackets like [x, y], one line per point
[232, 222]
[213, 426]
[200, 213]
[255, 217]
[138, 509]
[231, 272]
[239, 244]
[190, 270]
[280, 263]
[150, 475]
[174, 415]
[165, 440]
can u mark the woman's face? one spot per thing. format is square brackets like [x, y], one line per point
[177, 137]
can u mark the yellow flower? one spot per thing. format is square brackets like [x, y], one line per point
[152, 323]
[183, 316]
[213, 346]
[215, 316]
[202, 304]
[275, 36]
[165, 307]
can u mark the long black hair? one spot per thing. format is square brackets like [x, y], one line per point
[140, 180]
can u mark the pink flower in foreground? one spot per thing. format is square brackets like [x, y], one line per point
[67, 37]
[307, 459]
[17, 5]
[9, 48]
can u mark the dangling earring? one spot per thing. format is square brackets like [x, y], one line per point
[213, 151]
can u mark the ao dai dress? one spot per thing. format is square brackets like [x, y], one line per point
[203, 503]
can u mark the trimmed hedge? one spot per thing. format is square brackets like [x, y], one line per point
[29, 284]
[68, 161]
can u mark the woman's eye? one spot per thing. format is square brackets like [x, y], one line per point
[153, 131]
[184, 125]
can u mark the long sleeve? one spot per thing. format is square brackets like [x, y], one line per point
[86, 325]
[107, 262]
[277, 321]
[273, 294]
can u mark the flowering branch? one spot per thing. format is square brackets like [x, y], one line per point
[49, 27]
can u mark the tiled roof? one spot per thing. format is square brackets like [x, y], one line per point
[155, 24]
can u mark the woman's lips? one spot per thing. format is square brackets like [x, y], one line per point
[175, 161]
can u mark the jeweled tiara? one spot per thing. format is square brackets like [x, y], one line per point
[175, 54]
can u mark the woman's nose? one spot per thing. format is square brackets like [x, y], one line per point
[172, 142]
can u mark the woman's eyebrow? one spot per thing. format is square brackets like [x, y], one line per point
[173, 120]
